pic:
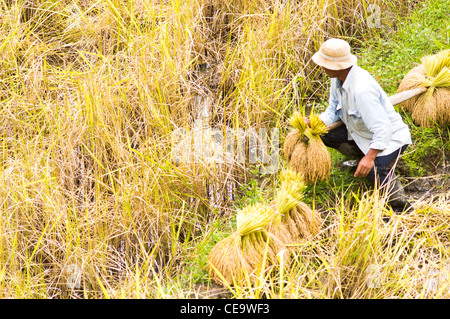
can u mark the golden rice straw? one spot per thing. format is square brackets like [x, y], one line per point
[412, 80]
[292, 139]
[431, 107]
[309, 157]
[299, 162]
[425, 113]
[226, 263]
[288, 175]
[288, 196]
[301, 221]
[295, 136]
[443, 96]
[317, 155]
[249, 251]
[433, 64]
[293, 226]
[306, 220]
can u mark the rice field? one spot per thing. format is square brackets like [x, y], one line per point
[99, 198]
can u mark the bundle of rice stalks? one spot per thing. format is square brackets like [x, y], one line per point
[287, 198]
[304, 150]
[307, 221]
[433, 106]
[296, 220]
[319, 160]
[295, 136]
[248, 252]
[301, 222]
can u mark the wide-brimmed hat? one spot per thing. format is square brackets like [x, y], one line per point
[334, 54]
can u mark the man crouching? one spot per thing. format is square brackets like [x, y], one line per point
[372, 130]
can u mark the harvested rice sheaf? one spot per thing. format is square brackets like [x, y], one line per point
[226, 263]
[425, 113]
[411, 81]
[443, 96]
[264, 234]
[319, 161]
[288, 175]
[249, 251]
[294, 145]
[295, 136]
[292, 139]
[306, 220]
[298, 221]
[309, 156]
[287, 197]
[433, 106]
[301, 222]
[318, 157]
[299, 161]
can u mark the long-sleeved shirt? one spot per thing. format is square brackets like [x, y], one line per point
[366, 110]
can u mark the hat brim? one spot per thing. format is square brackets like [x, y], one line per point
[334, 65]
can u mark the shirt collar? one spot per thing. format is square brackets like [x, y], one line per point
[349, 78]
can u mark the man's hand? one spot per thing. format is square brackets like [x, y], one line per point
[307, 121]
[366, 163]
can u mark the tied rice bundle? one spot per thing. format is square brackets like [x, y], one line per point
[309, 157]
[433, 106]
[254, 217]
[226, 263]
[288, 175]
[260, 247]
[319, 160]
[247, 252]
[288, 197]
[298, 221]
[301, 222]
[443, 97]
[306, 220]
[299, 161]
[295, 146]
[263, 235]
[410, 82]
[295, 136]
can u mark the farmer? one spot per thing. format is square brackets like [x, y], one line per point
[373, 131]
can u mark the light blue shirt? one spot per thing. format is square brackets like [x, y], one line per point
[366, 110]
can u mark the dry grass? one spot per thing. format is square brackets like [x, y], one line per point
[358, 255]
[91, 94]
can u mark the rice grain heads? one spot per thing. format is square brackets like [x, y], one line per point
[433, 106]
[304, 150]
[287, 198]
[264, 234]
[298, 220]
[247, 253]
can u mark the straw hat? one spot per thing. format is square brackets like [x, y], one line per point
[334, 54]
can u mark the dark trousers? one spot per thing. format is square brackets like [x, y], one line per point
[381, 169]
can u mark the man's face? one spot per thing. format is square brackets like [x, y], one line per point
[331, 73]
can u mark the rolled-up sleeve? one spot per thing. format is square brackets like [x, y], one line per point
[374, 117]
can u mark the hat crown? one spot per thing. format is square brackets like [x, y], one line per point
[334, 54]
[335, 48]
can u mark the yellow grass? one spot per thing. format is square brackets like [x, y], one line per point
[92, 203]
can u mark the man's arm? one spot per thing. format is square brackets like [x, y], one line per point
[329, 116]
